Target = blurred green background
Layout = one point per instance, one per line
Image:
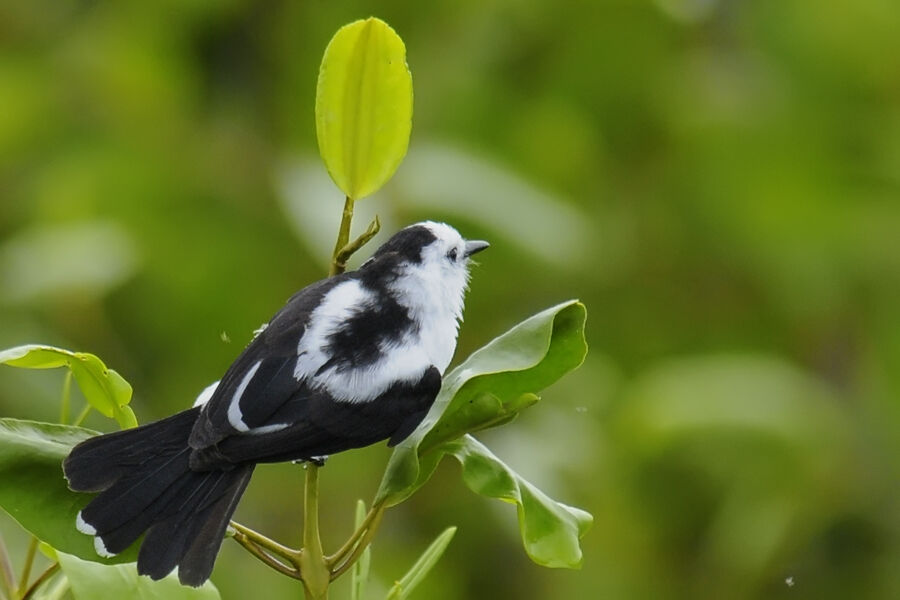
(717, 180)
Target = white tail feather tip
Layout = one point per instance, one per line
(84, 527)
(100, 548)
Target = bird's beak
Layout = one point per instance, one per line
(475, 246)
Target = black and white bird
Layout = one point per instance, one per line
(348, 361)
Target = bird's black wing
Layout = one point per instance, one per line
(261, 380)
(322, 426)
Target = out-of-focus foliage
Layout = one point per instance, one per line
(717, 181)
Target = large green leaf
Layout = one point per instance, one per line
(550, 529)
(90, 581)
(103, 388)
(33, 490)
(489, 388)
(364, 102)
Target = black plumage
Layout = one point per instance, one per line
(347, 362)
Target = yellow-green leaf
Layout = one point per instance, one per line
(103, 388)
(364, 104)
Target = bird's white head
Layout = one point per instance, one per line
(430, 264)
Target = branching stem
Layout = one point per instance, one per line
(343, 237)
(310, 565)
(6, 570)
(29, 562)
(264, 552)
(364, 541)
(368, 523)
(46, 575)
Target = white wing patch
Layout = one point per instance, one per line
(206, 394)
(234, 409)
(404, 361)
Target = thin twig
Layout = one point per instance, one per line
(51, 570)
(350, 544)
(29, 562)
(360, 547)
(6, 570)
(343, 236)
(82, 415)
(265, 557)
(350, 248)
(66, 401)
(58, 591)
(262, 541)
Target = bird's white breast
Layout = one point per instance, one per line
(403, 360)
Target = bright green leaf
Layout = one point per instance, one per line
(550, 530)
(103, 388)
(421, 568)
(33, 490)
(125, 417)
(90, 581)
(35, 357)
(489, 388)
(364, 102)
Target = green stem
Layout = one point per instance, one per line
(310, 564)
(343, 237)
(360, 547)
(265, 555)
(66, 402)
(316, 575)
(339, 262)
(375, 512)
(261, 541)
(7, 571)
(29, 562)
(59, 590)
(82, 415)
(51, 570)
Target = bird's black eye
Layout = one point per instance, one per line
(452, 254)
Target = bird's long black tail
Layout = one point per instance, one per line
(146, 484)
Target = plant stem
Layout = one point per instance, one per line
(6, 570)
(309, 564)
(66, 402)
(316, 575)
(51, 570)
(29, 562)
(343, 237)
(58, 591)
(339, 263)
(360, 547)
(82, 415)
(350, 544)
(261, 541)
(265, 556)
